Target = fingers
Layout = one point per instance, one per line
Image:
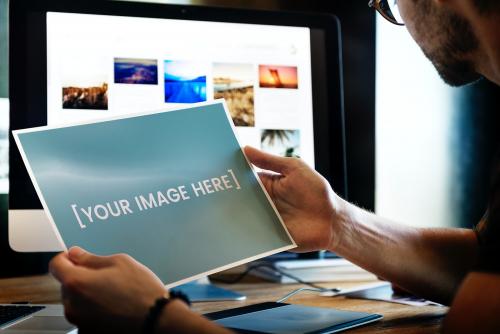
(61, 266)
(268, 161)
(81, 257)
(267, 180)
(74, 263)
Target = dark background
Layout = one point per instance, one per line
(475, 149)
(474, 143)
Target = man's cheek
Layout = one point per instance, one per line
(405, 8)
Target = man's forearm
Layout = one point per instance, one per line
(428, 262)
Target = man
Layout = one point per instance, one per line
(458, 267)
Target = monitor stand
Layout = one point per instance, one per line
(313, 267)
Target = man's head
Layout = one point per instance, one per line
(447, 34)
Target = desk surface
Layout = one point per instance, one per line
(397, 318)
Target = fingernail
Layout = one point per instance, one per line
(76, 252)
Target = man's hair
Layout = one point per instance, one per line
(487, 5)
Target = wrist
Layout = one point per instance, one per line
(340, 221)
(161, 310)
(171, 316)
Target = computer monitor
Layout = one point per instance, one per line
(280, 73)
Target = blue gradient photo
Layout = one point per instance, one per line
(185, 82)
(136, 71)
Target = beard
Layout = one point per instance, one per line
(455, 41)
(454, 72)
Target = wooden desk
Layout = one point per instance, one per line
(397, 318)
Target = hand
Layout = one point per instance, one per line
(304, 199)
(109, 294)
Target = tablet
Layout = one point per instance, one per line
(201, 292)
(281, 318)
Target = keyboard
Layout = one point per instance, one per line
(11, 313)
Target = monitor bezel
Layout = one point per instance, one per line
(28, 75)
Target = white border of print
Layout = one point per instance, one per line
(101, 120)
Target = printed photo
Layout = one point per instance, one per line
(185, 82)
(136, 71)
(75, 97)
(271, 76)
(285, 143)
(234, 83)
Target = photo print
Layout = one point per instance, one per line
(285, 143)
(235, 83)
(185, 82)
(136, 71)
(85, 84)
(271, 76)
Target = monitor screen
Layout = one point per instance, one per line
(69, 61)
(102, 66)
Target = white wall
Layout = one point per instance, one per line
(413, 119)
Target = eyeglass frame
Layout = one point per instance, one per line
(375, 4)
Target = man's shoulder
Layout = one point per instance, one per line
(490, 227)
(488, 230)
(475, 308)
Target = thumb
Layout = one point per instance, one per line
(268, 161)
(60, 266)
(83, 258)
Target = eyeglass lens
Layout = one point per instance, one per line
(391, 9)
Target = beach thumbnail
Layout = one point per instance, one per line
(136, 71)
(285, 143)
(185, 82)
(271, 76)
(235, 84)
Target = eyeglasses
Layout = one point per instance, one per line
(388, 9)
